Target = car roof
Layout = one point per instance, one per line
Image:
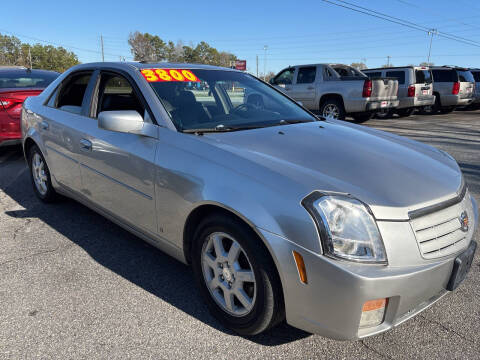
(149, 65)
(400, 67)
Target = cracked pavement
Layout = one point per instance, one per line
(74, 285)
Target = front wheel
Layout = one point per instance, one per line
(236, 276)
(40, 176)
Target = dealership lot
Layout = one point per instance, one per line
(74, 285)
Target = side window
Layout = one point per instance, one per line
(374, 74)
(327, 74)
(70, 95)
(399, 75)
(445, 75)
(306, 75)
(116, 93)
(285, 77)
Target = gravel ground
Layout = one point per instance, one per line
(74, 285)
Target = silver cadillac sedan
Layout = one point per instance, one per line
(341, 230)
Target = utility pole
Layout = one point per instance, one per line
(431, 32)
(265, 47)
(257, 66)
(388, 60)
(30, 57)
(101, 42)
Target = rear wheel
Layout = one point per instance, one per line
(40, 176)
(236, 276)
(432, 109)
(332, 108)
(405, 112)
(384, 114)
(361, 118)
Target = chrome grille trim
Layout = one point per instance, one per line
(439, 233)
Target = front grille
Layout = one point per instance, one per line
(439, 233)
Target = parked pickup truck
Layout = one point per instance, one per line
(336, 90)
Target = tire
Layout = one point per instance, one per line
(447, 110)
(405, 112)
(266, 308)
(384, 114)
(332, 107)
(40, 176)
(433, 109)
(361, 118)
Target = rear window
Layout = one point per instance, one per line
(465, 76)
(445, 76)
(476, 75)
(347, 72)
(374, 74)
(423, 76)
(399, 75)
(26, 79)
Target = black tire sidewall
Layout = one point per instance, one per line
(261, 316)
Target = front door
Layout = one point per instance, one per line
(118, 168)
(303, 88)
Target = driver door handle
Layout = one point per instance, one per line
(310, 88)
(85, 145)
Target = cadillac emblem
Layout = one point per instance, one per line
(463, 221)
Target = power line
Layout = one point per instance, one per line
(399, 21)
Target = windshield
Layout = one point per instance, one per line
(465, 76)
(220, 100)
(423, 77)
(26, 78)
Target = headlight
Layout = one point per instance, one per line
(347, 227)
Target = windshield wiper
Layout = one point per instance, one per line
(220, 128)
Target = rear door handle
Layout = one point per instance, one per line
(85, 145)
(44, 125)
(310, 88)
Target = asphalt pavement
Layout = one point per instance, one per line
(73, 285)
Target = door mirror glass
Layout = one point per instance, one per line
(126, 121)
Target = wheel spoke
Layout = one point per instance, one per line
(228, 296)
(218, 245)
(243, 298)
(209, 260)
(233, 253)
(244, 276)
(213, 284)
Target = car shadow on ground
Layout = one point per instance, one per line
(127, 255)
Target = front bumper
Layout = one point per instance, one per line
(331, 303)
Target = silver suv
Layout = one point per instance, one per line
(476, 76)
(415, 87)
(452, 86)
(335, 90)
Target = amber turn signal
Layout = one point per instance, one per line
(302, 271)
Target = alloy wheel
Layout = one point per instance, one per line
(228, 274)
(39, 176)
(331, 110)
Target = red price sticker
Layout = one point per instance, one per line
(158, 75)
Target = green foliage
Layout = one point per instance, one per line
(147, 47)
(47, 57)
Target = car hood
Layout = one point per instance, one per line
(392, 174)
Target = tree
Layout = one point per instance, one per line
(426, 63)
(47, 57)
(359, 65)
(270, 75)
(147, 47)
(387, 65)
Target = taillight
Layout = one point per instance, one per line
(367, 88)
(456, 88)
(411, 91)
(13, 107)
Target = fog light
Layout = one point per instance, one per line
(373, 312)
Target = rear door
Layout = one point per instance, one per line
(467, 84)
(303, 88)
(118, 169)
(59, 121)
(423, 83)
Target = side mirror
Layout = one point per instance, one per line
(272, 81)
(300, 103)
(126, 121)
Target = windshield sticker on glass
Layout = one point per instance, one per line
(157, 75)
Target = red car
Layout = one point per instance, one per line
(16, 84)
